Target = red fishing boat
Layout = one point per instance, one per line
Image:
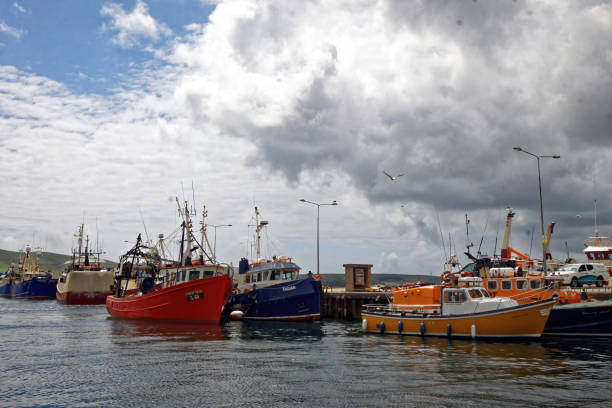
(186, 290)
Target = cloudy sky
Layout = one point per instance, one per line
(110, 109)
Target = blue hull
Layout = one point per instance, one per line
(5, 290)
(36, 288)
(293, 300)
(580, 319)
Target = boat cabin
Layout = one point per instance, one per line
(468, 297)
(266, 273)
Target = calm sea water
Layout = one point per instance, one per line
(54, 355)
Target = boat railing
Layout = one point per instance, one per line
(404, 311)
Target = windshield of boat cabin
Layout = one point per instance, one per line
(571, 268)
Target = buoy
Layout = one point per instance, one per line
(422, 328)
(364, 324)
(449, 330)
(400, 326)
(473, 331)
(382, 327)
(236, 315)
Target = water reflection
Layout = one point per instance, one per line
(284, 331)
(155, 331)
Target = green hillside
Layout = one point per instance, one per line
(48, 261)
(383, 279)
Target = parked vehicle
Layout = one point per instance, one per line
(579, 274)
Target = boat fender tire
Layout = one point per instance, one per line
(381, 326)
(422, 328)
(400, 327)
(449, 330)
(364, 324)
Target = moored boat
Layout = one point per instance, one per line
(272, 289)
(464, 311)
(6, 281)
(194, 290)
(84, 281)
(28, 281)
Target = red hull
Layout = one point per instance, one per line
(201, 299)
(82, 298)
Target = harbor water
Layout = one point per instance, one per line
(55, 355)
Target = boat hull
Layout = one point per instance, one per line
(582, 319)
(288, 301)
(201, 299)
(5, 289)
(522, 321)
(35, 288)
(85, 287)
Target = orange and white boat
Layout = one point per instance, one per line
(466, 310)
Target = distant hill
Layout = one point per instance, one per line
(383, 279)
(48, 261)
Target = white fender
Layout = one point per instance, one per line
(364, 324)
(236, 315)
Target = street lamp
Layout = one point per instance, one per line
(215, 244)
(538, 157)
(318, 208)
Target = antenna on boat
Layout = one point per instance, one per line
(441, 237)
(595, 212)
(567, 249)
(144, 225)
(468, 245)
(531, 245)
(483, 234)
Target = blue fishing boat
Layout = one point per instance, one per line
(272, 289)
(29, 282)
(6, 281)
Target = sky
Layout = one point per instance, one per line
(109, 110)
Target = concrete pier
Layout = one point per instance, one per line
(338, 303)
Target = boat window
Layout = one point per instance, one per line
(610, 256)
(534, 283)
(184, 274)
(454, 296)
(194, 274)
(469, 268)
(265, 275)
(492, 285)
(208, 274)
(276, 275)
(506, 284)
(582, 268)
(475, 293)
(485, 293)
(590, 267)
(287, 275)
(259, 279)
(521, 284)
(247, 279)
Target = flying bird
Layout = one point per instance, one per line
(393, 178)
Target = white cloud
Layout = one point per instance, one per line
(12, 31)
(270, 102)
(132, 27)
(18, 7)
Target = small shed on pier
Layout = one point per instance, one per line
(357, 277)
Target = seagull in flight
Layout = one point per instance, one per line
(393, 178)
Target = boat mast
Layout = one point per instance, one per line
(468, 245)
(505, 252)
(259, 225)
(80, 242)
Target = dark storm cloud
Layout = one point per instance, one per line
(441, 91)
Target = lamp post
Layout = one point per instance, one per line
(318, 208)
(538, 157)
(215, 239)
